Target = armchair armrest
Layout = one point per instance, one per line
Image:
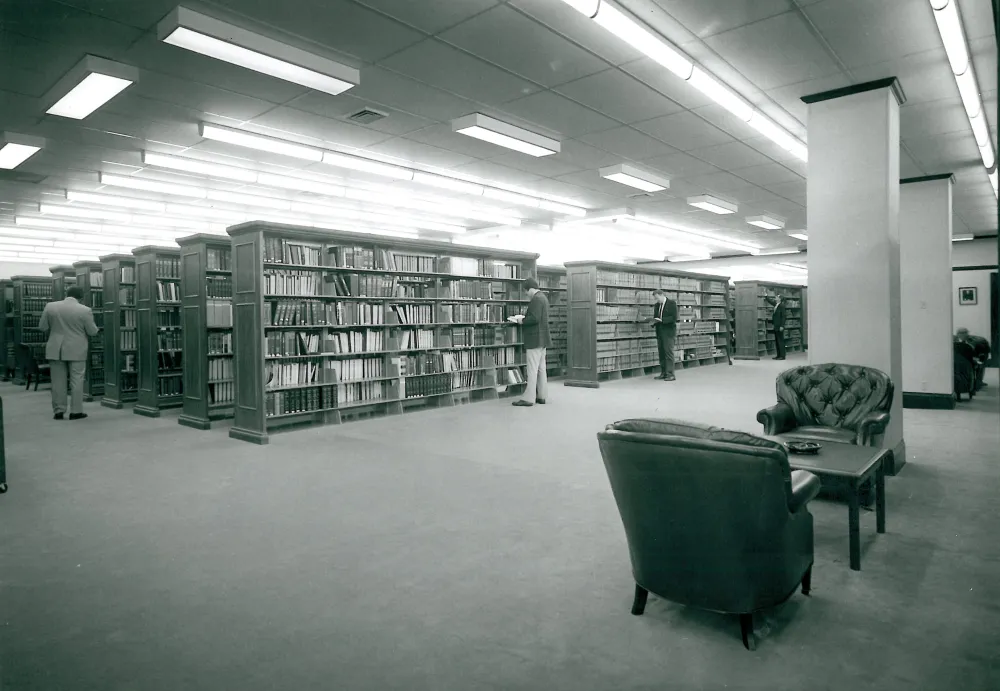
(871, 428)
(805, 487)
(777, 419)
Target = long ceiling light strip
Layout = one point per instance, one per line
(89, 85)
(116, 201)
(704, 238)
(949, 23)
(626, 174)
(222, 41)
(497, 191)
(672, 58)
(766, 221)
(707, 202)
(504, 134)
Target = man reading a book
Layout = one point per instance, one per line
(535, 323)
(665, 325)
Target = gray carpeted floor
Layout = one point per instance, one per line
(476, 547)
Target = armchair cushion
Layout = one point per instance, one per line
(831, 402)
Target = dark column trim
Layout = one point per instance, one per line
(930, 401)
(929, 178)
(886, 83)
(984, 267)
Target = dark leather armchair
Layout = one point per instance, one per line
(830, 403)
(714, 519)
(965, 369)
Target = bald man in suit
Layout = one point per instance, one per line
(68, 324)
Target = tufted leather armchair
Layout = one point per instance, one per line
(832, 403)
(714, 519)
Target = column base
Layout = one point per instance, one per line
(898, 459)
(194, 422)
(581, 383)
(146, 411)
(252, 436)
(111, 403)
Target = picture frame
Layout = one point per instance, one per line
(968, 296)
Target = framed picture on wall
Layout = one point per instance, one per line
(968, 296)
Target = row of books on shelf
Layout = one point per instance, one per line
(475, 312)
(168, 291)
(126, 274)
(129, 340)
(96, 279)
(313, 399)
(168, 267)
(322, 313)
(130, 362)
(218, 259)
(220, 343)
(96, 299)
(448, 361)
(292, 282)
(169, 360)
(30, 289)
(218, 313)
(170, 386)
(168, 317)
(33, 336)
(281, 251)
(128, 382)
(618, 313)
(30, 321)
(169, 340)
(220, 368)
(126, 296)
(34, 304)
(218, 287)
(318, 371)
(361, 341)
(221, 393)
(652, 281)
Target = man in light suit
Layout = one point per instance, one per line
(68, 324)
(536, 340)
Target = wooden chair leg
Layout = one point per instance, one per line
(27, 384)
(746, 628)
(639, 603)
(807, 580)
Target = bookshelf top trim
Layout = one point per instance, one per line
(65, 268)
(638, 269)
(40, 279)
(207, 238)
(790, 286)
(108, 258)
(87, 265)
(557, 270)
(291, 232)
(154, 249)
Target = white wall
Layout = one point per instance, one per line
(9, 269)
(925, 248)
(975, 318)
(978, 252)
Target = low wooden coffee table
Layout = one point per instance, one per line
(850, 466)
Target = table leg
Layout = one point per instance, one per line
(854, 523)
(880, 497)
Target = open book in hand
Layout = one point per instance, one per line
(517, 318)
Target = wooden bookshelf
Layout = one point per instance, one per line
(90, 279)
(31, 293)
(332, 326)
(62, 278)
(805, 317)
(754, 328)
(552, 280)
(159, 330)
(7, 355)
(207, 294)
(608, 304)
(121, 347)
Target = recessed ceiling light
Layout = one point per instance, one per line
(634, 177)
(766, 222)
(504, 134)
(222, 41)
(90, 84)
(15, 149)
(709, 203)
(260, 142)
(798, 236)
(963, 238)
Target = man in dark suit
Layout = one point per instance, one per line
(665, 325)
(778, 319)
(535, 323)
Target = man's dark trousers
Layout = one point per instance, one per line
(665, 337)
(779, 342)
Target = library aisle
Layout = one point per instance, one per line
(471, 547)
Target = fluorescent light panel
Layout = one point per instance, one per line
(89, 85)
(709, 203)
(626, 174)
(111, 200)
(799, 236)
(767, 222)
(260, 142)
(963, 238)
(189, 165)
(15, 149)
(152, 186)
(222, 41)
(504, 134)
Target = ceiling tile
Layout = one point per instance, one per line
(944, 152)
(67, 29)
(582, 155)
(708, 17)
(793, 191)
(591, 180)
(379, 85)
(443, 137)
(667, 83)
(141, 15)
(730, 155)
(338, 25)
(627, 142)
(343, 105)
(564, 189)
(933, 117)
(546, 166)
(863, 33)
(721, 182)
(431, 16)
(415, 152)
(563, 19)
(680, 165)
(924, 76)
(773, 151)
(489, 171)
(620, 96)
(196, 96)
(511, 40)
(443, 66)
(775, 51)
(726, 121)
(684, 131)
(767, 174)
(289, 120)
(790, 97)
(558, 114)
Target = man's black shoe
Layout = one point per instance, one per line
(540, 400)
(57, 416)
(519, 402)
(77, 416)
